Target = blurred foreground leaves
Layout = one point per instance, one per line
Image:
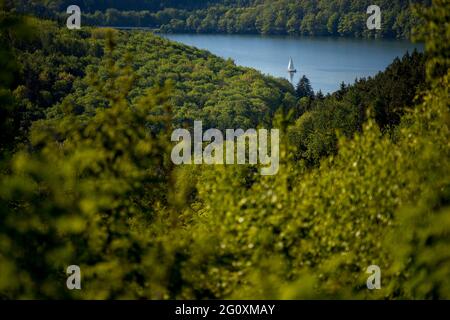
(99, 191)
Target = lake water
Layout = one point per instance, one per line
(325, 61)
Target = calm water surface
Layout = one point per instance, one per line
(325, 61)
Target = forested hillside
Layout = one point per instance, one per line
(86, 177)
(387, 96)
(203, 86)
(136, 5)
(293, 17)
(58, 67)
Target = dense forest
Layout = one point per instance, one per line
(387, 96)
(86, 176)
(288, 17)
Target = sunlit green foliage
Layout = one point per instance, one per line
(96, 188)
(206, 87)
(85, 198)
(331, 222)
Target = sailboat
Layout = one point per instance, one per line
(291, 67)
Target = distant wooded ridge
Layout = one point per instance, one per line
(271, 17)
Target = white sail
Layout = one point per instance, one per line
(291, 64)
(291, 67)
